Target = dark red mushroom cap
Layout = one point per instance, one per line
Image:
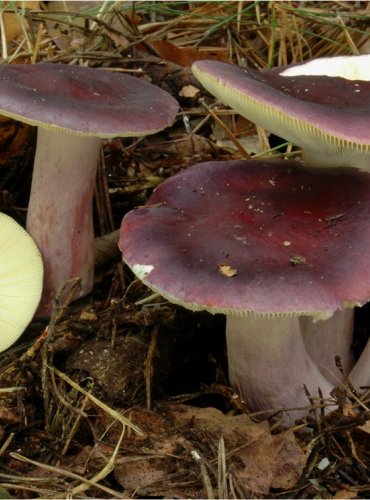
(266, 237)
(88, 101)
(310, 104)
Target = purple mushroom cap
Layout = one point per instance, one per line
(326, 112)
(296, 240)
(87, 101)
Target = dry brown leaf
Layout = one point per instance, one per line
(10, 413)
(365, 428)
(172, 433)
(259, 460)
(290, 461)
(139, 473)
(184, 56)
(270, 462)
(235, 429)
(343, 494)
(13, 22)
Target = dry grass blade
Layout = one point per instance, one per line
(228, 132)
(63, 298)
(204, 473)
(85, 483)
(222, 471)
(110, 411)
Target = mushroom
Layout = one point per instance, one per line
(74, 108)
(21, 271)
(265, 243)
(322, 105)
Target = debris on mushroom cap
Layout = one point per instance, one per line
(88, 101)
(21, 271)
(231, 214)
(326, 113)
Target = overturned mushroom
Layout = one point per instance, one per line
(21, 272)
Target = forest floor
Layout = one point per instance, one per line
(122, 394)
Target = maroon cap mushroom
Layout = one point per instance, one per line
(74, 108)
(322, 105)
(266, 243)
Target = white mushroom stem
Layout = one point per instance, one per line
(360, 374)
(60, 209)
(326, 339)
(269, 364)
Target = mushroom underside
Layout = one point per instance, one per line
(21, 271)
(327, 115)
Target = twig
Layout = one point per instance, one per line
(113, 413)
(149, 368)
(231, 136)
(57, 312)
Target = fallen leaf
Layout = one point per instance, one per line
(139, 473)
(343, 494)
(365, 427)
(13, 22)
(184, 56)
(270, 462)
(250, 143)
(258, 459)
(174, 432)
(290, 461)
(9, 414)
